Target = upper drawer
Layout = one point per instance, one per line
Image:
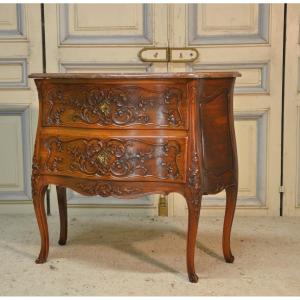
(102, 104)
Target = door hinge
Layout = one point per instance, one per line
(281, 189)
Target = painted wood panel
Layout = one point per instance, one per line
(105, 24)
(105, 67)
(15, 156)
(20, 53)
(228, 23)
(103, 44)
(13, 73)
(247, 151)
(12, 21)
(291, 166)
(11, 150)
(255, 76)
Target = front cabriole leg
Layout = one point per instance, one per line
(39, 188)
(194, 204)
(193, 196)
(38, 194)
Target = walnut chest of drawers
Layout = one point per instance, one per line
(127, 135)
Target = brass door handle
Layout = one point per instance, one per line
(183, 54)
(153, 54)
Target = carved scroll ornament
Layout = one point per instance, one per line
(114, 106)
(113, 157)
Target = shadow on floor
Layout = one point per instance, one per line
(93, 240)
(130, 240)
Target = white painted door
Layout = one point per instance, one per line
(106, 38)
(291, 174)
(247, 38)
(20, 54)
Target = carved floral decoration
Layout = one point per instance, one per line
(194, 182)
(106, 189)
(113, 157)
(35, 175)
(115, 106)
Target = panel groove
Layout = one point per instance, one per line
(17, 67)
(262, 84)
(20, 31)
(262, 35)
(94, 67)
(21, 111)
(67, 38)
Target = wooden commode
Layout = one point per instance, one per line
(128, 135)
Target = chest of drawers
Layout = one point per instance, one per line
(127, 135)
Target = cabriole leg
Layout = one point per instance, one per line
(231, 197)
(63, 214)
(38, 195)
(193, 221)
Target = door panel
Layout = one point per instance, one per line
(291, 171)
(228, 24)
(20, 54)
(240, 37)
(83, 42)
(85, 24)
(105, 38)
(108, 37)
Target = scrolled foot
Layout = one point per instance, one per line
(62, 242)
(193, 277)
(229, 259)
(40, 260)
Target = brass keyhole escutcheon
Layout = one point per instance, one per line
(104, 108)
(103, 158)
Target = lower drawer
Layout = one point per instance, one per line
(114, 158)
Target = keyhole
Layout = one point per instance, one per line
(155, 54)
(180, 55)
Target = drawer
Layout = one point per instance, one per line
(99, 104)
(114, 158)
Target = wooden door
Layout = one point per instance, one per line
(106, 38)
(291, 170)
(247, 38)
(20, 54)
